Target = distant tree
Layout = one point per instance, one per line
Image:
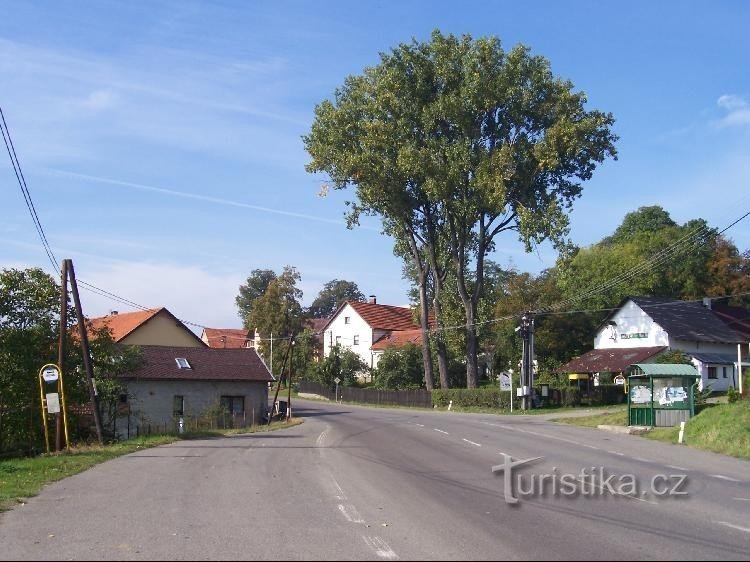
(332, 295)
(254, 288)
(400, 369)
(278, 313)
(729, 273)
(644, 220)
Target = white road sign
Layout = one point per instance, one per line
(53, 403)
(50, 374)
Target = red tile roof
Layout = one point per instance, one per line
(206, 365)
(232, 338)
(398, 339)
(609, 360)
(385, 317)
(120, 325)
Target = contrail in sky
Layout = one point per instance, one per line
(216, 200)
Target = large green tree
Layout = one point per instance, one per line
(456, 137)
(251, 291)
(278, 314)
(332, 295)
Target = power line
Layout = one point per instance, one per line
(25, 190)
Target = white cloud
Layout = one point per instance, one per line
(737, 110)
(191, 293)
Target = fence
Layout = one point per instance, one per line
(412, 398)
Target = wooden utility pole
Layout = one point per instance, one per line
(289, 382)
(86, 352)
(60, 420)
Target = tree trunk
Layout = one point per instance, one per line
(472, 364)
(429, 371)
(442, 351)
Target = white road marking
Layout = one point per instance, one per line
(683, 469)
(472, 442)
(742, 499)
(321, 438)
(381, 548)
(351, 513)
(736, 527)
(640, 459)
(722, 477)
(420, 424)
(619, 454)
(441, 431)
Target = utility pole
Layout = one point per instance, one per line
(289, 382)
(527, 360)
(86, 352)
(61, 421)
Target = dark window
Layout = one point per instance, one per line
(347, 319)
(712, 373)
(724, 372)
(178, 406)
(356, 340)
(235, 405)
(123, 398)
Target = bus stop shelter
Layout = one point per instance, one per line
(661, 394)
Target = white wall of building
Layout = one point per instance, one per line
(343, 333)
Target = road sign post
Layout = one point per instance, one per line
(337, 381)
(51, 374)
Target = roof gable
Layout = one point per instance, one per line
(122, 325)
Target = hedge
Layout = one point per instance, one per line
(471, 398)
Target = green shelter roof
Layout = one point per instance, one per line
(663, 369)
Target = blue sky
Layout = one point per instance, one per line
(161, 140)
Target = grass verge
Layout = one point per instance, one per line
(24, 478)
(724, 428)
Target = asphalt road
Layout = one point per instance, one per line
(361, 483)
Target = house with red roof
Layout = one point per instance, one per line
(186, 383)
(228, 338)
(155, 326)
(369, 328)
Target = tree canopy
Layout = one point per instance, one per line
(254, 288)
(332, 295)
(457, 138)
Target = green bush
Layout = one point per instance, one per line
(732, 395)
(471, 398)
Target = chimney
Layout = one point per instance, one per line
(707, 302)
(373, 299)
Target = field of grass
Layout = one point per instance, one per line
(24, 478)
(724, 428)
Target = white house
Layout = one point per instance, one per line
(644, 327)
(361, 325)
